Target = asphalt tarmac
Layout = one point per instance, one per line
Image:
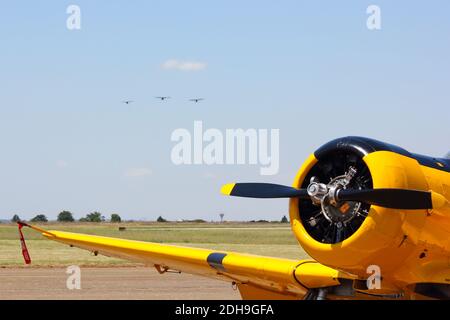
(118, 283)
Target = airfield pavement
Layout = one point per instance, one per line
(118, 283)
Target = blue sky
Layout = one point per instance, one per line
(310, 68)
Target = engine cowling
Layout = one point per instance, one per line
(356, 235)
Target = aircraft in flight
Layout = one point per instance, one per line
(374, 218)
(196, 100)
(162, 98)
(127, 101)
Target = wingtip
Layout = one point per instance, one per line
(22, 223)
(42, 231)
(227, 189)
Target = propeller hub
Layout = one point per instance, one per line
(317, 191)
(335, 211)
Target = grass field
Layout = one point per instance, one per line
(268, 239)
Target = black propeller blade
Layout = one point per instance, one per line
(389, 198)
(263, 190)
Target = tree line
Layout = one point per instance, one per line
(67, 216)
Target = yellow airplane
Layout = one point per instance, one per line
(374, 217)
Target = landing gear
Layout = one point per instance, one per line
(316, 294)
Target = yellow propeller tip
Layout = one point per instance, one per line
(227, 189)
(438, 201)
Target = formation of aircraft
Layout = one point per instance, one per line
(163, 98)
(374, 218)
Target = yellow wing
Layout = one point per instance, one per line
(256, 277)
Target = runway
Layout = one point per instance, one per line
(121, 283)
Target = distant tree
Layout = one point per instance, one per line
(39, 218)
(115, 218)
(15, 218)
(95, 217)
(161, 219)
(83, 220)
(65, 216)
(284, 220)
